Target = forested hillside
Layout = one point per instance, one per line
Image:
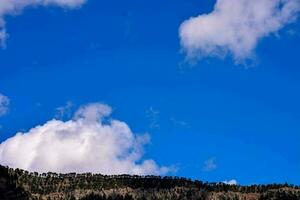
(20, 184)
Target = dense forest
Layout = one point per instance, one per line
(21, 184)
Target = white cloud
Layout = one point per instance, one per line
(4, 104)
(88, 143)
(231, 182)
(235, 27)
(210, 165)
(13, 7)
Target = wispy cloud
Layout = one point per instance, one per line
(235, 27)
(153, 116)
(210, 165)
(12, 7)
(64, 111)
(4, 104)
(179, 123)
(84, 144)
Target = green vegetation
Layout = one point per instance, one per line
(20, 184)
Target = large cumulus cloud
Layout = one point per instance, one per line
(90, 142)
(13, 7)
(235, 27)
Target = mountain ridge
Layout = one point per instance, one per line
(22, 185)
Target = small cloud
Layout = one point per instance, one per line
(235, 32)
(64, 111)
(231, 182)
(153, 116)
(210, 165)
(173, 169)
(4, 104)
(292, 32)
(179, 123)
(38, 104)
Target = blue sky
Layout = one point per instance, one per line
(242, 119)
